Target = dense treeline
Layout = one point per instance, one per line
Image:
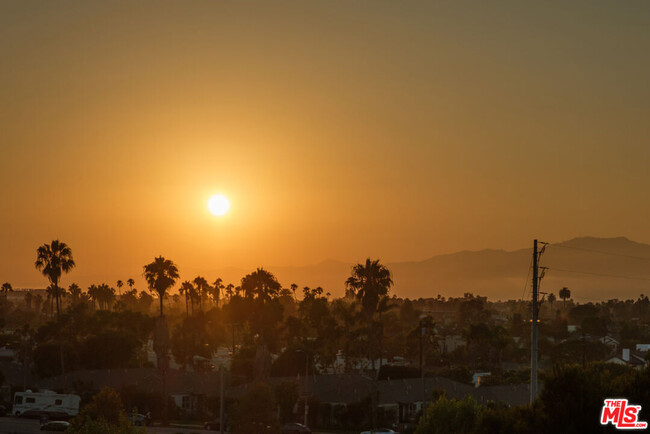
(273, 330)
(101, 329)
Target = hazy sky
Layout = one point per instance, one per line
(397, 130)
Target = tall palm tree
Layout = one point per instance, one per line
(161, 274)
(120, 284)
(565, 293)
(186, 289)
(294, 287)
(202, 287)
(53, 260)
(130, 282)
(6, 287)
(217, 287)
(369, 282)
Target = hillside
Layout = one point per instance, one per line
(499, 274)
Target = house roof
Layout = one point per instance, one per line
(342, 389)
(145, 379)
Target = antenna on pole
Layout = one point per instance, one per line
(537, 278)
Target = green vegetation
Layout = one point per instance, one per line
(104, 415)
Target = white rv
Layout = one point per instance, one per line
(46, 402)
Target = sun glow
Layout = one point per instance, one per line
(218, 204)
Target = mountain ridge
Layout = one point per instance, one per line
(497, 273)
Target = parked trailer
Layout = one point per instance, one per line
(46, 402)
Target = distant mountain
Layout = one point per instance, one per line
(588, 266)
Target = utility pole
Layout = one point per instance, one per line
(423, 331)
(533, 347)
(221, 402)
(306, 387)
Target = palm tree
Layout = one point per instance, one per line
(202, 287)
(294, 287)
(120, 284)
(75, 292)
(6, 287)
(130, 282)
(260, 284)
(551, 298)
(52, 260)
(186, 289)
(229, 290)
(160, 275)
(217, 287)
(368, 283)
(565, 293)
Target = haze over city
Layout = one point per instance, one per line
(336, 131)
(334, 217)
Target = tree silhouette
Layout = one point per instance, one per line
(6, 287)
(53, 260)
(186, 289)
(260, 284)
(229, 290)
(215, 290)
(75, 292)
(368, 283)
(130, 282)
(120, 284)
(565, 293)
(161, 274)
(202, 287)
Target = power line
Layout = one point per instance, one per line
(602, 252)
(601, 274)
(524, 293)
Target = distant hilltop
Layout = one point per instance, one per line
(593, 268)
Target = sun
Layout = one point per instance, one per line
(218, 204)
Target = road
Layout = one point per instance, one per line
(12, 425)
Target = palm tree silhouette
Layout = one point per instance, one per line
(161, 274)
(6, 287)
(217, 286)
(75, 292)
(229, 290)
(186, 289)
(130, 282)
(120, 284)
(260, 284)
(565, 293)
(370, 282)
(202, 287)
(52, 260)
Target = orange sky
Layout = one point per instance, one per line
(396, 130)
